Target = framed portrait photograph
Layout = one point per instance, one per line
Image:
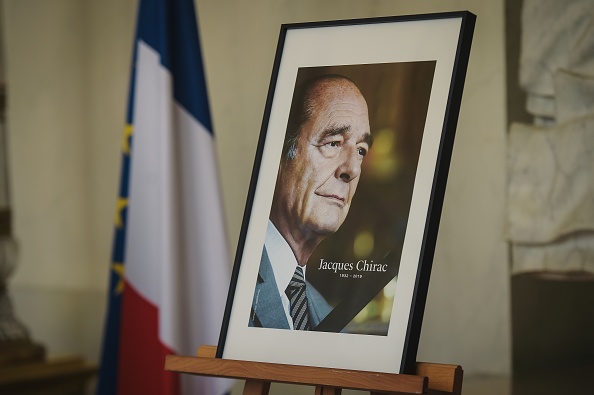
(336, 247)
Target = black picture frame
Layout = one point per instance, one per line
(410, 70)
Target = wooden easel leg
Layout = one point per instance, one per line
(321, 390)
(255, 387)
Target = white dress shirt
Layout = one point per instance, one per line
(283, 263)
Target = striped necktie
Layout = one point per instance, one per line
(298, 299)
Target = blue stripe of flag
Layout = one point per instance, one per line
(179, 48)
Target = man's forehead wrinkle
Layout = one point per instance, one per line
(337, 112)
(334, 130)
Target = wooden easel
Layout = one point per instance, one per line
(430, 378)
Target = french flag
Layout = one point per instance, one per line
(170, 269)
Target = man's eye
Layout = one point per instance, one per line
(334, 144)
(362, 151)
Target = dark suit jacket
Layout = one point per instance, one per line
(267, 307)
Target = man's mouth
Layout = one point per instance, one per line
(336, 198)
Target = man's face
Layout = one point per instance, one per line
(315, 189)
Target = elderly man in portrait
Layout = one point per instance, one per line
(327, 137)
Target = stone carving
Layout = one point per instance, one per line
(551, 162)
(551, 181)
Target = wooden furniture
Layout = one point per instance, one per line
(430, 378)
(57, 376)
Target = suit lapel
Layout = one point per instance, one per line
(267, 304)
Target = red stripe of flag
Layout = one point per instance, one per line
(142, 354)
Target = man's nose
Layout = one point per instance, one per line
(350, 165)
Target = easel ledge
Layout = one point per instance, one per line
(430, 378)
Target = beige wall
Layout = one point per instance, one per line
(67, 75)
(67, 71)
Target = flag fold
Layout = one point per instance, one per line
(170, 268)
